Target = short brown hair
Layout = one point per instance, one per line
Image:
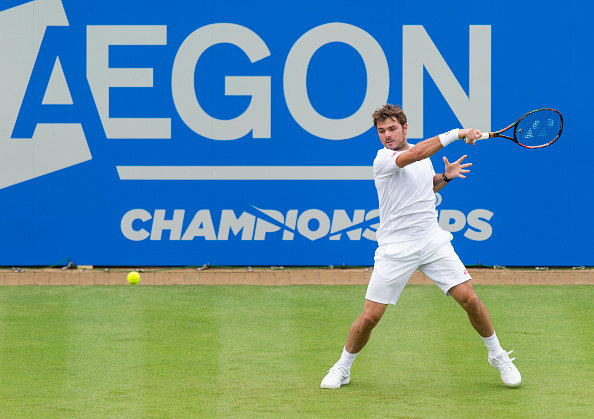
(389, 111)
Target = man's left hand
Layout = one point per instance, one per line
(456, 169)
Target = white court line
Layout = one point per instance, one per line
(245, 172)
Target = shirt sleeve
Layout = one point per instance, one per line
(385, 163)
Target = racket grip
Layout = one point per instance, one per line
(484, 136)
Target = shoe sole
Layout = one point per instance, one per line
(344, 382)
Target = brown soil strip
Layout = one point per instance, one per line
(288, 276)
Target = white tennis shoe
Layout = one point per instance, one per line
(509, 373)
(336, 377)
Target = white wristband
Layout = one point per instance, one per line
(449, 137)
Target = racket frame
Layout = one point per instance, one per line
(515, 125)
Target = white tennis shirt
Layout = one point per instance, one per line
(406, 198)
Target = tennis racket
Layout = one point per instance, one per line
(536, 129)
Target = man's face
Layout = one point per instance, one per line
(392, 134)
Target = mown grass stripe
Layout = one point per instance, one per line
(181, 351)
(255, 343)
(32, 350)
(105, 356)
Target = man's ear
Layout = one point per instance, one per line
(405, 128)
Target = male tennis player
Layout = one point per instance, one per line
(410, 238)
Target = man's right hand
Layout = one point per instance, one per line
(470, 133)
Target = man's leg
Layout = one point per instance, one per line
(477, 312)
(358, 336)
(393, 267)
(479, 318)
(362, 327)
(441, 263)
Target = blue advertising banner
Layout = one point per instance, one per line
(240, 133)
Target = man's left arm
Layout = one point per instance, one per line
(452, 170)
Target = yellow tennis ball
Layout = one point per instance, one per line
(133, 278)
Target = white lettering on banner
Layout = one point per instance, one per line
(201, 226)
(447, 216)
(312, 224)
(453, 220)
(128, 229)
(295, 81)
(48, 147)
(174, 225)
(343, 221)
(323, 227)
(419, 51)
(478, 219)
(290, 222)
(51, 147)
(369, 234)
(57, 92)
(257, 116)
(263, 226)
(102, 77)
(245, 223)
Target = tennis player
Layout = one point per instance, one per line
(410, 238)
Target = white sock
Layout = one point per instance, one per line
(346, 360)
(493, 345)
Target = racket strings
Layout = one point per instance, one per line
(539, 128)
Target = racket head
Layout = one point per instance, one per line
(538, 128)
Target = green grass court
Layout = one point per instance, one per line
(253, 351)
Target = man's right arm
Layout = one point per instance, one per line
(419, 151)
(430, 146)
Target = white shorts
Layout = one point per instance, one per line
(395, 263)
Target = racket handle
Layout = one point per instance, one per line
(484, 136)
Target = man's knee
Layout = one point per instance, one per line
(372, 313)
(466, 297)
(369, 320)
(470, 302)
